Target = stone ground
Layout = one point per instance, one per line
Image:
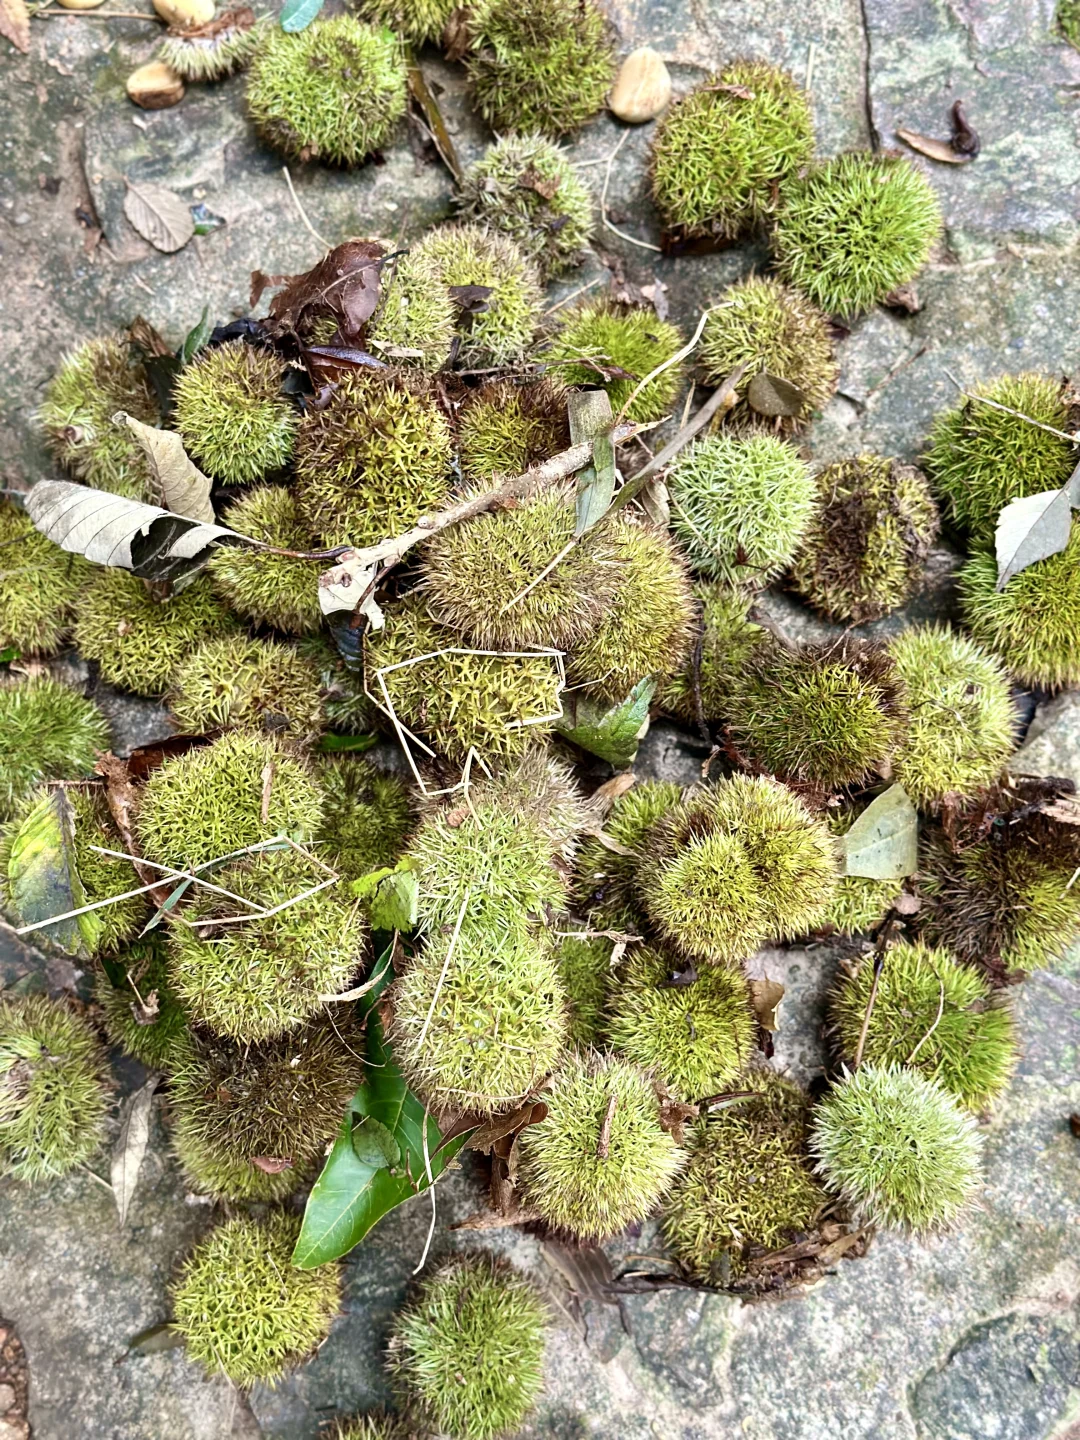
(974, 1337)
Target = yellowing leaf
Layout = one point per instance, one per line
(883, 843)
(184, 489)
(940, 150)
(43, 880)
(591, 419)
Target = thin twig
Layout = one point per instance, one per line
(811, 57)
(559, 558)
(446, 965)
(574, 294)
(645, 244)
(1006, 409)
(717, 399)
(880, 951)
(264, 914)
(389, 553)
(675, 359)
(302, 212)
(933, 1027)
(431, 1192)
(95, 15)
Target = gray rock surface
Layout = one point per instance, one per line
(974, 1335)
(1052, 746)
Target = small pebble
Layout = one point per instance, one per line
(155, 86)
(642, 88)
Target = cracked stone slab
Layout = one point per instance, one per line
(1052, 746)
(1019, 83)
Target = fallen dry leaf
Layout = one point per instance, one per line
(771, 395)
(112, 530)
(130, 1146)
(344, 283)
(765, 996)
(159, 216)
(15, 24)
(182, 487)
(940, 150)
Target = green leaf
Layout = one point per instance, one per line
(12, 652)
(355, 1190)
(297, 15)
(392, 895)
(196, 338)
(331, 742)
(155, 1339)
(43, 880)
(612, 733)
(590, 418)
(883, 843)
(373, 1144)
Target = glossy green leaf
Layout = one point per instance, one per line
(43, 880)
(297, 15)
(373, 1144)
(883, 843)
(353, 1194)
(196, 337)
(611, 732)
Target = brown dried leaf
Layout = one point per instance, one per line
(1066, 810)
(122, 800)
(159, 216)
(424, 97)
(905, 298)
(345, 283)
(455, 37)
(545, 186)
(604, 796)
(272, 1164)
(657, 296)
(15, 24)
(487, 1137)
(674, 1115)
(586, 1271)
(940, 150)
(148, 340)
(240, 18)
(182, 487)
(765, 996)
(771, 395)
(470, 299)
